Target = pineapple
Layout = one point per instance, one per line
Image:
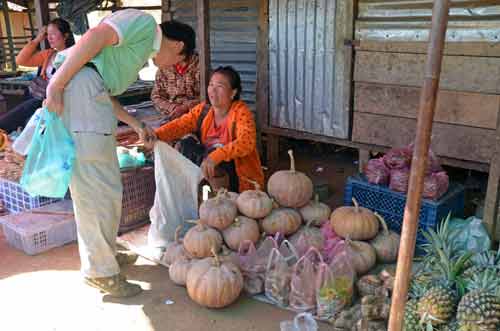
(479, 310)
(411, 319)
(489, 260)
(450, 326)
(437, 305)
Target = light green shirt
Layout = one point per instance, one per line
(139, 38)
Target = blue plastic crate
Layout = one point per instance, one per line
(390, 205)
(15, 199)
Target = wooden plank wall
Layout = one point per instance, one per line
(387, 80)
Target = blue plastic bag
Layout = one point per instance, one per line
(49, 165)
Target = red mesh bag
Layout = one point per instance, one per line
(435, 185)
(398, 158)
(377, 172)
(399, 180)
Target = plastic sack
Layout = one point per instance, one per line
(176, 195)
(399, 180)
(308, 236)
(435, 185)
(130, 158)
(289, 252)
(398, 158)
(331, 240)
(49, 165)
(377, 172)
(304, 281)
(278, 276)
(301, 322)
(470, 235)
(335, 285)
(23, 142)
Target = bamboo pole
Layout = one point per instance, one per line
(428, 98)
(202, 11)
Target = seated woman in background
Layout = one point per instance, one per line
(226, 131)
(58, 33)
(177, 88)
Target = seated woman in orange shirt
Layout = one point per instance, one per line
(226, 131)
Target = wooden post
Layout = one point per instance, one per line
(166, 14)
(202, 13)
(428, 98)
(29, 11)
(42, 17)
(491, 202)
(5, 9)
(262, 110)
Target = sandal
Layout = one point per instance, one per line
(126, 258)
(115, 286)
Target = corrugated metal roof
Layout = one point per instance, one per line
(409, 20)
(233, 36)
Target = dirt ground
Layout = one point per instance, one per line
(45, 292)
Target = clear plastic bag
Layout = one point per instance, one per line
(301, 322)
(335, 285)
(253, 263)
(23, 142)
(49, 165)
(377, 172)
(470, 235)
(278, 276)
(304, 281)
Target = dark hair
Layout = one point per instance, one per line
(64, 27)
(179, 31)
(234, 79)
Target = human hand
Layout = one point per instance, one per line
(42, 34)
(179, 111)
(54, 101)
(146, 135)
(208, 168)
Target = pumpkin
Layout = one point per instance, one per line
(242, 229)
(200, 240)
(369, 285)
(386, 243)
(229, 256)
(306, 237)
(283, 220)
(290, 188)
(362, 256)
(4, 139)
(178, 270)
(174, 250)
(315, 211)
(356, 223)
(214, 283)
(218, 212)
(254, 203)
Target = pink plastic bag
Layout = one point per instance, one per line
(303, 283)
(331, 240)
(307, 237)
(399, 180)
(377, 172)
(335, 285)
(398, 158)
(435, 185)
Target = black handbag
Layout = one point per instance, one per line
(38, 86)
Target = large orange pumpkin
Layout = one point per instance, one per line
(218, 212)
(242, 229)
(214, 283)
(283, 220)
(200, 240)
(356, 223)
(362, 256)
(254, 203)
(290, 188)
(175, 250)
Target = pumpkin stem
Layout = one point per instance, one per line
(237, 221)
(253, 182)
(383, 222)
(308, 224)
(356, 204)
(292, 160)
(316, 198)
(178, 234)
(216, 257)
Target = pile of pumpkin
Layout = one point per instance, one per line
(210, 270)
